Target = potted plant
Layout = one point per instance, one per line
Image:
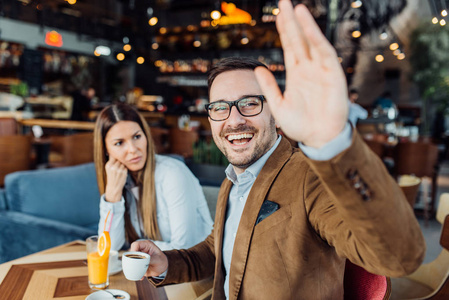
(429, 48)
(208, 163)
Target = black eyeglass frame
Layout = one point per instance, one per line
(235, 103)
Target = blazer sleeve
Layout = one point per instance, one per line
(356, 206)
(191, 264)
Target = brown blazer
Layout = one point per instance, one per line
(348, 207)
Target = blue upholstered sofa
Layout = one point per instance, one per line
(40, 209)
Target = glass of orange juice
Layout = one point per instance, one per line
(98, 248)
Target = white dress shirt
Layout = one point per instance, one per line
(182, 213)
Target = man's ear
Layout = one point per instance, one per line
(277, 125)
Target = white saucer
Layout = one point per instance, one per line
(101, 295)
(115, 268)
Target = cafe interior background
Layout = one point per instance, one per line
(155, 54)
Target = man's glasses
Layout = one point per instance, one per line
(247, 106)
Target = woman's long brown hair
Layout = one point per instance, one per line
(146, 207)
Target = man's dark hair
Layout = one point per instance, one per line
(231, 64)
(353, 91)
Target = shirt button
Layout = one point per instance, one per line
(241, 199)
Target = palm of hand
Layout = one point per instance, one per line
(314, 107)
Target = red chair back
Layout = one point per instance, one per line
(359, 284)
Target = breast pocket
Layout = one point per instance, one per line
(274, 219)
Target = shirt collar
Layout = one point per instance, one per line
(255, 168)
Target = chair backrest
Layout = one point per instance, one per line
(410, 187)
(15, 154)
(160, 139)
(377, 147)
(75, 149)
(417, 158)
(181, 141)
(8, 126)
(443, 208)
(359, 284)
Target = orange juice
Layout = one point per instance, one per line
(98, 248)
(97, 268)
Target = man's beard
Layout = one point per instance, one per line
(261, 147)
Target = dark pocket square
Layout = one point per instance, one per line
(268, 207)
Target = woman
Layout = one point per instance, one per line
(150, 196)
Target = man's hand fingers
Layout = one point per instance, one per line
(290, 32)
(320, 48)
(140, 246)
(269, 87)
(287, 47)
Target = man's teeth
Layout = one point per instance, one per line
(239, 136)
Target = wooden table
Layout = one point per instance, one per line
(61, 273)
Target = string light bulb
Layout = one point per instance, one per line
(153, 21)
(442, 22)
(435, 20)
(197, 42)
(444, 13)
(379, 58)
(394, 46)
(140, 60)
(120, 56)
(215, 15)
(356, 34)
(356, 4)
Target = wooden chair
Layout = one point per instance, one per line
(421, 160)
(182, 141)
(364, 128)
(431, 280)
(8, 126)
(377, 147)
(70, 150)
(359, 284)
(15, 154)
(410, 186)
(160, 139)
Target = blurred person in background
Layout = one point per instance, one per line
(356, 111)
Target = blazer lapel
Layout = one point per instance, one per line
(252, 207)
(222, 203)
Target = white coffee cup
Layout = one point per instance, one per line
(135, 264)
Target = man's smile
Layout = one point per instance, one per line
(239, 139)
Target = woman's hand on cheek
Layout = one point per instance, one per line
(116, 174)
